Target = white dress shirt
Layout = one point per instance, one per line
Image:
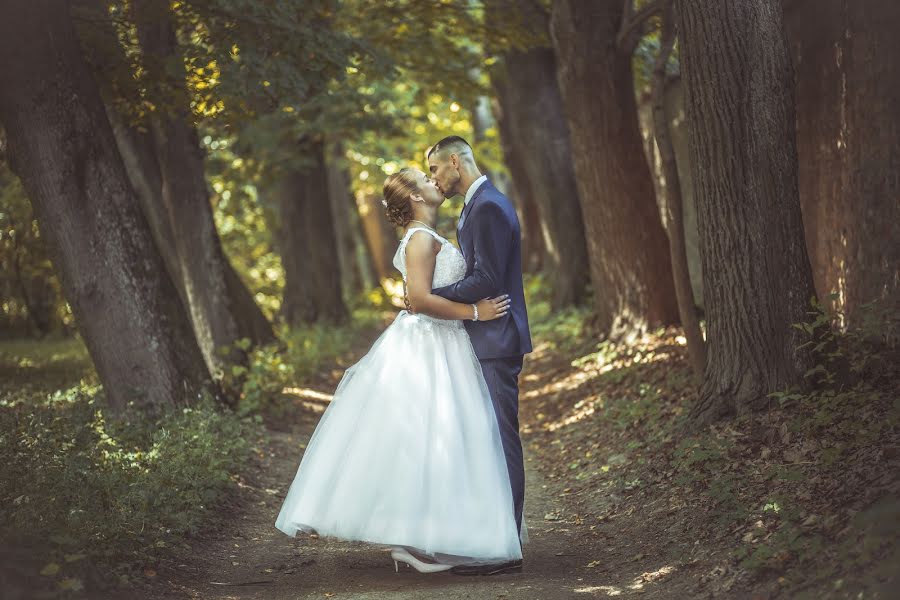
(471, 191)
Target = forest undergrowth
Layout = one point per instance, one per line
(799, 500)
(90, 501)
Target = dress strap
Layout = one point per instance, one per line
(432, 232)
(400, 256)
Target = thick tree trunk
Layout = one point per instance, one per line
(203, 265)
(847, 58)
(312, 278)
(139, 154)
(526, 86)
(62, 147)
(631, 271)
(673, 202)
(757, 279)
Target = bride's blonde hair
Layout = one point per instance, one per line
(398, 188)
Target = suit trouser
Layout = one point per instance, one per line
(502, 378)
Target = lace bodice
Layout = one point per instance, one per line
(450, 266)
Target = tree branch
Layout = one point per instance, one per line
(633, 24)
(627, 11)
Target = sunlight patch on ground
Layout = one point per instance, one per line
(651, 576)
(583, 409)
(637, 585)
(568, 383)
(308, 394)
(609, 590)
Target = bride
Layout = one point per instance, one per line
(408, 452)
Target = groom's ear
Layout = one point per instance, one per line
(454, 160)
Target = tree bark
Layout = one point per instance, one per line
(673, 203)
(203, 264)
(522, 196)
(526, 87)
(757, 280)
(62, 147)
(381, 236)
(356, 270)
(847, 57)
(312, 278)
(631, 272)
(138, 152)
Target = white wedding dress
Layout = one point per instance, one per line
(408, 452)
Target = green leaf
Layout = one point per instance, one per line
(71, 584)
(74, 557)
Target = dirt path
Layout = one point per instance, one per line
(254, 560)
(637, 549)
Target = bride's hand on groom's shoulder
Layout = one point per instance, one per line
(493, 308)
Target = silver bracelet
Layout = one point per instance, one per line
(475, 308)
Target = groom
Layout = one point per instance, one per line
(490, 239)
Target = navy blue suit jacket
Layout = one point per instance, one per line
(491, 242)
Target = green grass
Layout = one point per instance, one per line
(567, 330)
(86, 501)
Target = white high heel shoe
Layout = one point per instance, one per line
(401, 555)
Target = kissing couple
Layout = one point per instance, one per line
(419, 449)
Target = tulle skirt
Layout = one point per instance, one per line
(408, 452)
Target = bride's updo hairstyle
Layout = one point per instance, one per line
(397, 191)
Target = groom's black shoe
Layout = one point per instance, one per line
(513, 566)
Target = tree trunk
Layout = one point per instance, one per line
(381, 236)
(252, 323)
(526, 86)
(203, 265)
(138, 151)
(757, 279)
(847, 57)
(673, 202)
(482, 121)
(631, 272)
(312, 278)
(62, 147)
(521, 195)
(356, 274)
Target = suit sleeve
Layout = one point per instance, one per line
(492, 238)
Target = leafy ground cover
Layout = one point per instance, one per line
(797, 501)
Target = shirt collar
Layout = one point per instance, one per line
(475, 184)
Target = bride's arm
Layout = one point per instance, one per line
(421, 256)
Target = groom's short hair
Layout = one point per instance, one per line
(454, 143)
